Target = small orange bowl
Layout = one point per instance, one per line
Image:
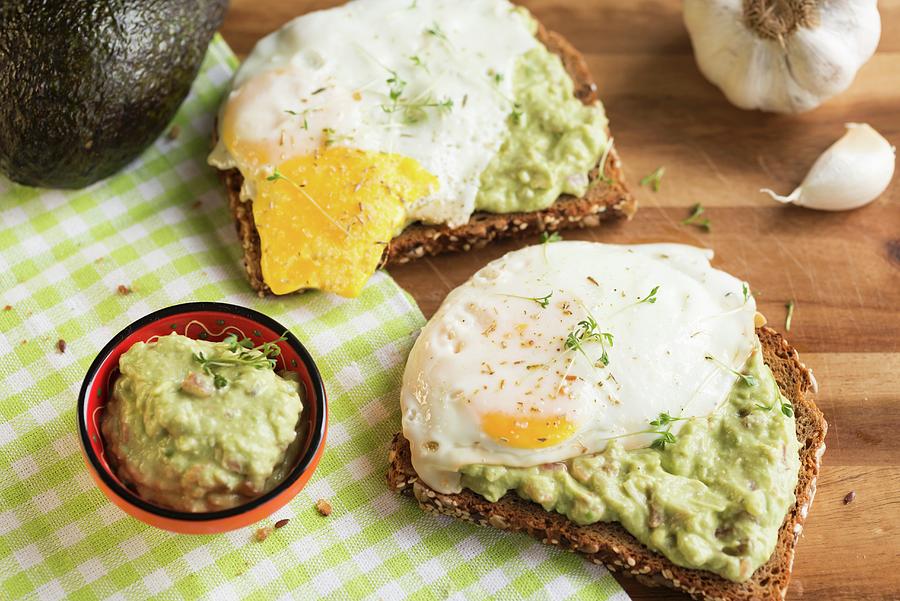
(224, 319)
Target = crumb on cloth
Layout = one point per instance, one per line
(323, 507)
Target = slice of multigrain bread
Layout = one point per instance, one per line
(607, 198)
(611, 545)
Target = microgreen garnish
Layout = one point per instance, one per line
(242, 353)
(414, 112)
(235, 344)
(790, 315)
(303, 114)
(694, 218)
(543, 301)
(396, 86)
(665, 437)
(748, 379)
(650, 298)
(663, 426)
(413, 109)
(516, 115)
(331, 137)
(783, 404)
(746, 290)
(548, 237)
(417, 61)
(437, 32)
(653, 180)
(587, 330)
(496, 76)
(277, 175)
(665, 419)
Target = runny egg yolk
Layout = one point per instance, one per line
(526, 432)
(325, 219)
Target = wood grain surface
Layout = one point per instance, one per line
(842, 270)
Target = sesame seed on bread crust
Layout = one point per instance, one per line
(609, 544)
(607, 198)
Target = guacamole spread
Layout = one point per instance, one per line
(554, 140)
(201, 426)
(714, 499)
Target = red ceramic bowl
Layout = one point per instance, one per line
(217, 318)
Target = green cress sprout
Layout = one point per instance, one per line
(694, 218)
(543, 301)
(587, 330)
(748, 379)
(783, 405)
(547, 238)
(663, 426)
(413, 110)
(650, 298)
(436, 31)
(653, 180)
(243, 353)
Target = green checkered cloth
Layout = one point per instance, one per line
(162, 229)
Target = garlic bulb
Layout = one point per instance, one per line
(784, 56)
(853, 172)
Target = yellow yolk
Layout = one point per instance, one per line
(325, 219)
(521, 432)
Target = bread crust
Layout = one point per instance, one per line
(607, 198)
(611, 545)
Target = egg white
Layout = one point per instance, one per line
(328, 71)
(492, 347)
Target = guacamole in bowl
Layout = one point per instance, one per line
(200, 426)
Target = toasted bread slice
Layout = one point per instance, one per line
(607, 198)
(609, 544)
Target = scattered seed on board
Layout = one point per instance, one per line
(849, 497)
(61, 345)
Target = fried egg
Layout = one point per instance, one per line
(411, 91)
(552, 351)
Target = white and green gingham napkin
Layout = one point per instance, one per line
(161, 230)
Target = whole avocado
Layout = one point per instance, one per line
(85, 86)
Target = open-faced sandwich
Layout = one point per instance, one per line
(624, 402)
(385, 130)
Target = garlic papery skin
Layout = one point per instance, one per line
(783, 56)
(853, 172)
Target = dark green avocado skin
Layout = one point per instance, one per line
(86, 85)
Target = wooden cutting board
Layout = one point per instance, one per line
(841, 270)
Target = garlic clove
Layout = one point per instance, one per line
(851, 173)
